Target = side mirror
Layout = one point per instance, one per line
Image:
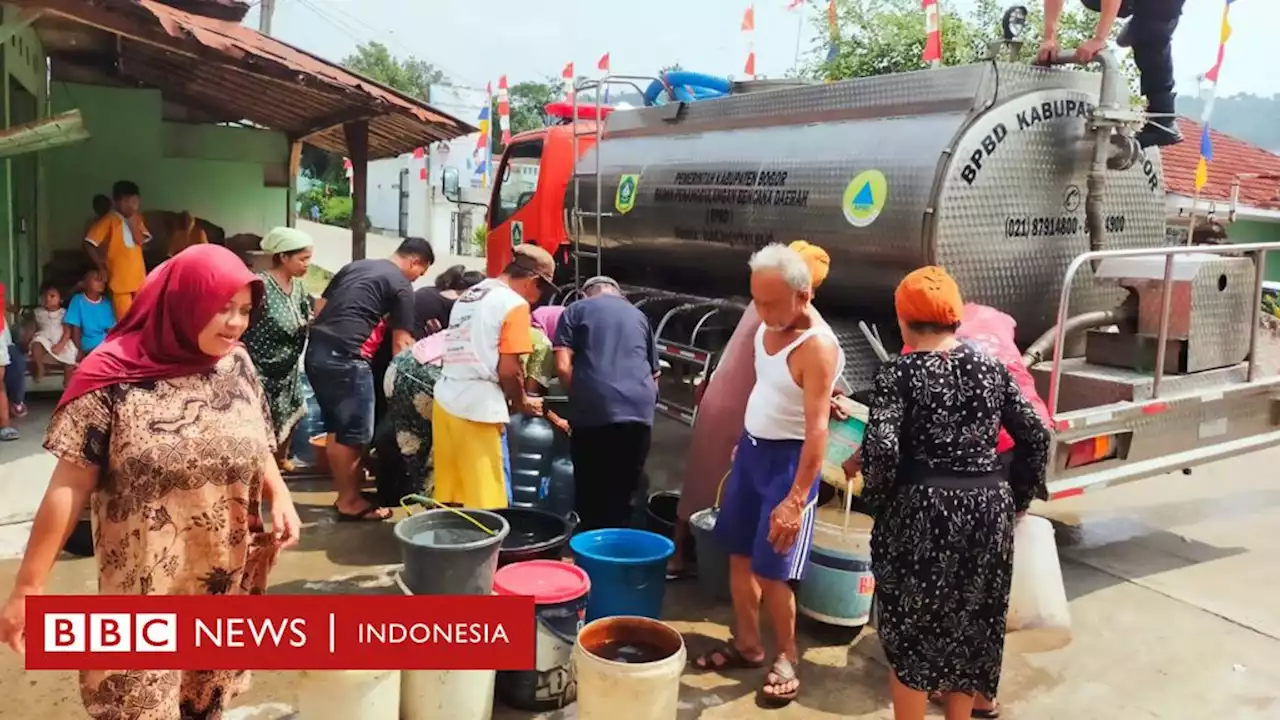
(449, 184)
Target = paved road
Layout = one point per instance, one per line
(1173, 584)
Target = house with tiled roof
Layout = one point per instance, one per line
(1257, 216)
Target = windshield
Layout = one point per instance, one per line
(518, 179)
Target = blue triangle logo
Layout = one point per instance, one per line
(864, 199)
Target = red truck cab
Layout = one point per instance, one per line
(527, 204)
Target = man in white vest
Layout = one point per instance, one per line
(482, 381)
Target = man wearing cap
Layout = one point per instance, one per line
(482, 380)
(607, 360)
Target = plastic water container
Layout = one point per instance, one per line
(1039, 618)
(442, 694)
(838, 585)
(531, 441)
(628, 570)
(629, 667)
(349, 695)
(713, 561)
(309, 426)
(446, 554)
(559, 591)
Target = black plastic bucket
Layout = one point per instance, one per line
(446, 554)
(535, 535)
(661, 515)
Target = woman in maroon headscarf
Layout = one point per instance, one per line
(165, 426)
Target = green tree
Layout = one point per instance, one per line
(410, 76)
(877, 37)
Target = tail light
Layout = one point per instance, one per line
(1096, 449)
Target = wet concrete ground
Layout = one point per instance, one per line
(1173, 584)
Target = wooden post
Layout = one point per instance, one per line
(357, 134)
(291, 197)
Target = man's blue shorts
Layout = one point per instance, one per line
(763, 473)
(344, 390)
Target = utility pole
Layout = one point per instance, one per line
(266, 9)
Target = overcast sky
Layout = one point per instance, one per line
(531, 39)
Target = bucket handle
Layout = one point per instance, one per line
(423, 499)
(573, 520)
(720, 487)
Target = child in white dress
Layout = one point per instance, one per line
(51, 345)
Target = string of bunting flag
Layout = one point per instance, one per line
(1208, 92)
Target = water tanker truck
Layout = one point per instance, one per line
(1023, 181)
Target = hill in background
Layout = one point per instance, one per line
(1251, 118)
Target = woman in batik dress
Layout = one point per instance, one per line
(166, 429)
(942, 544)
(279, 333)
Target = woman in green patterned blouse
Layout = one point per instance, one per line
(279, 332)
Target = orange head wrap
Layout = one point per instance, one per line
(928, 295)
(816, 258)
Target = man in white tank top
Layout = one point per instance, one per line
(767, 509)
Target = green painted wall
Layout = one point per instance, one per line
(217, 173)
(1251, 231)
(22, 62)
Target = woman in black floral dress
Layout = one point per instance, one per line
(942, 545)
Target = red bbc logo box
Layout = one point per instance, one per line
(111, 632)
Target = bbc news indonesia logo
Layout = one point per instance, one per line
(280, 632)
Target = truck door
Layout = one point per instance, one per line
(514, 217)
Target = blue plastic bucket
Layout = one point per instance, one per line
(560, 592)
(628, 571)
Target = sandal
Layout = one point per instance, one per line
(731, 658)
(371, 513)
(781, 674)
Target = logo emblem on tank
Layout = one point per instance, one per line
(626, 198)
(865, 197)
(517, 233)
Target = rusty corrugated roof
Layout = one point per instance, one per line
(237, 73)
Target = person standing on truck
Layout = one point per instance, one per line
(482, 381)
(942, 543)
(718, 424)
(350, 319)
(768, 507)
(607, 361)
(115, 245)
(1150, 33)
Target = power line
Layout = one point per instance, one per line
(348, 27)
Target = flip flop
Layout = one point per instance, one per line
(733, 659)
(369, 514)
(784, 672)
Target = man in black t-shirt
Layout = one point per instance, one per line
(364, 301)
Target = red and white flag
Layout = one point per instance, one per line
(603, 65)
(567, 76)
(933, 33)
(504, 109)
(750, 69)
(749, 19)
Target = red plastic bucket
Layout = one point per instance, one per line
(559, 591)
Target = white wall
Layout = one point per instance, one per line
(465, 104)
(431, 215)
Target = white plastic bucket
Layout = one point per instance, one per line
(610, 689)
(1039, 617)
(349, 695)
(447, 694)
